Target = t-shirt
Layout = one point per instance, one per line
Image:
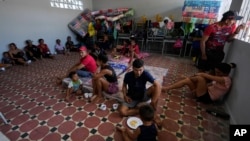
(89, 63)
(137, 86)
(75, 85)
(136, 49)
(217, 90)
(148, 133)
(218, 35)
(44, 48)
(59, 47)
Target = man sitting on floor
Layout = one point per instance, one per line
(136, 91)
(86, 67)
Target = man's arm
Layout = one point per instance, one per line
(231, 36)
(133, 135)
(218, 79)
(203, 47)
(102, 73)
(76, 67)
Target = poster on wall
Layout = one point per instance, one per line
(201, 11)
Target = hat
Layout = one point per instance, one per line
(28, 41)
(232, 15)
(83, 48)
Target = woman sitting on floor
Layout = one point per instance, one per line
(105, 80)
(204, 91)
(17, 55)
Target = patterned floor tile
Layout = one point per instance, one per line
(36, 110)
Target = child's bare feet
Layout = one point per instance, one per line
(58, 81)
(67, 98)
(79, 92)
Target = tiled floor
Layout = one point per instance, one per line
(35, 109)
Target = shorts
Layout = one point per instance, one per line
(113, 88)
(134, 103)
(205, 98)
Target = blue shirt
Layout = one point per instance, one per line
(137, 86)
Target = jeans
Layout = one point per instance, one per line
(82, 73)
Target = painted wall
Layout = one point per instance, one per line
(238, 101)
(148, 8)
(34, 19)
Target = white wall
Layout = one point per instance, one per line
(34, 19)
(148, 8)
(238, 101)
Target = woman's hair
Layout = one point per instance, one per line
(138, 63)
(225, 68)
(13, 44)
(146, 112)
(71, 74)
(103, 58)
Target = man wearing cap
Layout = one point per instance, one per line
(214, 39)
(87, 65)
(32, 52)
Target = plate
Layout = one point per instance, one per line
(134, 122)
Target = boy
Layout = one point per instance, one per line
(145, 132)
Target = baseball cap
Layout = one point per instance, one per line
(83, 48)
(232, 15)
(28, 41)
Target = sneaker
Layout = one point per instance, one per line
(29, 61)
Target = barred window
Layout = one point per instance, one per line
(67, 4)
(245, 12)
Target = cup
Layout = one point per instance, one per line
(103, 107)
(115, 106)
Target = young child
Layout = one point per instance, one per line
(105, 80)
(7, 59)
(60, 49)
(147, 131)
(122, 49)
(134, 49)
(75, 85)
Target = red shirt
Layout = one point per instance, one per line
(89, 63)
(136, 48)
(44, 48)
(218, 35)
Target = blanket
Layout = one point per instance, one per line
(120, 69)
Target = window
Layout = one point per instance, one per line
(67, 4)
(245, 11)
